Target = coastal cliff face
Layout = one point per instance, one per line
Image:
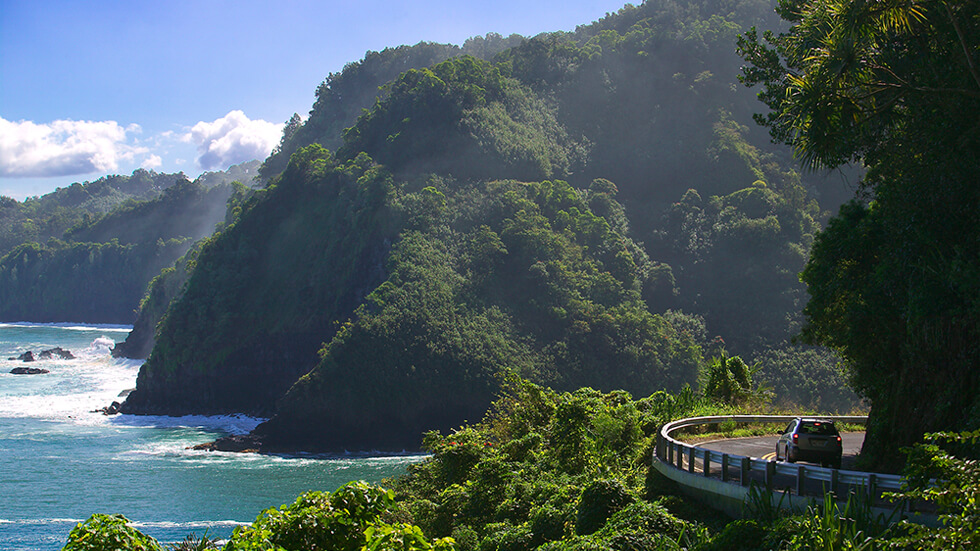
(250, 380)
(264, 295)
(97, 269)
(163, 290)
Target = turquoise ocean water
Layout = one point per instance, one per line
(60, 462)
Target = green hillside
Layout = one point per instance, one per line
(535, 214)
(87, 252)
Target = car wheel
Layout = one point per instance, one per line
(777, 453)
(836, 464)
(790, 455)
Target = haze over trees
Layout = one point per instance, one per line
(585, 208)
(85, 253)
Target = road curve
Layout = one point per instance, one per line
(764, 447)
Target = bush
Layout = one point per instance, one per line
(647, 517)
(403, 537)
(599, 501)
(466, 538)
(547, 524)
(639, 527)
(109, 533)
(315, 521)
(741, 535)
(504, 536)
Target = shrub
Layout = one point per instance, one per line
(599, 501)
(466, 538)
(109, 533)
(315, 521)
(504, 536)
(645, 517)
(547, 524)
(403, 537)
(740, 535)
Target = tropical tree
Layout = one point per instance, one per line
(895, 279)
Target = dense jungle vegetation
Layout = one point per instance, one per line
(553, 470)
(584, 208)
(579, 218)
(86, 253)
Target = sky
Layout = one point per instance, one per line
(96, 87)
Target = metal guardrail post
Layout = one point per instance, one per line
(680, 457)
(800, 480)
(707, 463)
(690, 463)
(834, 480)
(724, 467)
(743, 477)
(770, 474)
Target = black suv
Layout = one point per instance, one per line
(815, 440)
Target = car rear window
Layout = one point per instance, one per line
(817, 427)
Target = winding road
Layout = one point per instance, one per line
(764, 447)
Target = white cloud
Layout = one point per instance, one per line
(64, 147)
(233, 139)
(152, 162)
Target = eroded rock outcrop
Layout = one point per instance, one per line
(48, 354)
(56, 351)
(28, 371)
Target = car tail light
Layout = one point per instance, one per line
(796, 438)
(838, 440)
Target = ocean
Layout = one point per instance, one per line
(61, 461)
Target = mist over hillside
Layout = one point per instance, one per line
(86, 253)
(587, 208)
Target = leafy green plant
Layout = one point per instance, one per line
(827, 527)
(935, 475)
(740, 535)
(109, 533)
(192, 542)
(599, 501)
(403, 537)
(759, 504)
(316, 520)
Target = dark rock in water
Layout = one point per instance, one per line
(245, 443)
(56, 351)
(28, 370)
(45, 355)
(111, 409)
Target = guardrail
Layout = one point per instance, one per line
(702, 470)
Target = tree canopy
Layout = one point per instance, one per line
(895, 278)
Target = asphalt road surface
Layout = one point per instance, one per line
(764, 447)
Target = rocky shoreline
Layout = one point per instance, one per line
(48, 354)
(44, 355)
(242, 443)
(28, 371)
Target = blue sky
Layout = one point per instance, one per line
(97, 87)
